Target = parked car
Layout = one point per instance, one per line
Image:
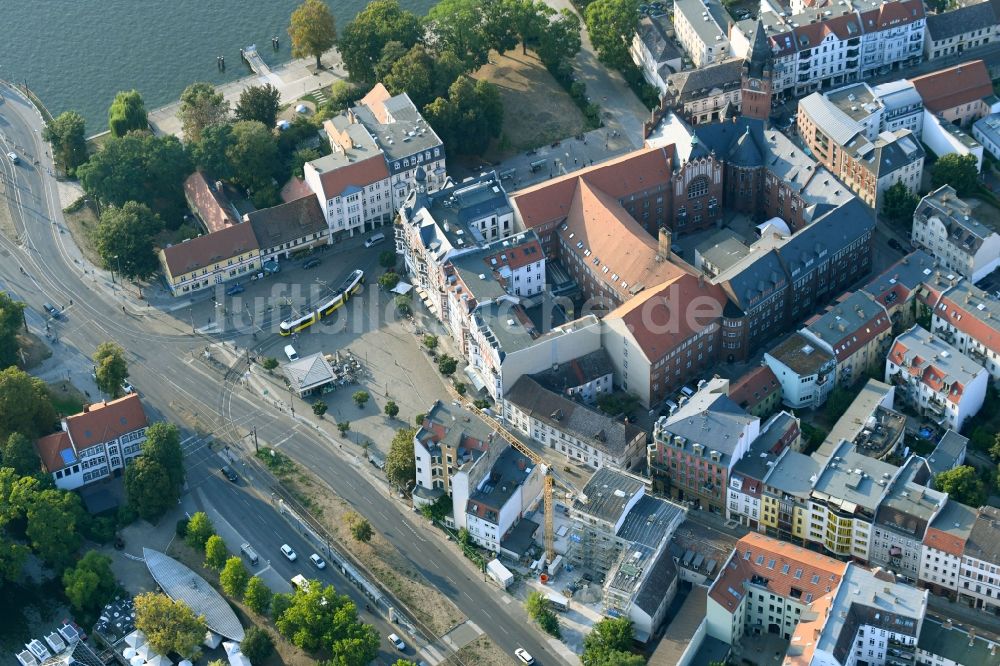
(228, 472)
(52, 310)
(12, 156)
(311, 263)
(127, 388)
(235, 289)
(523, 656)
(397, 642)
(287, 551)
(317, 561)
(895, 245)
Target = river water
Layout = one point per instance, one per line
(76, 54)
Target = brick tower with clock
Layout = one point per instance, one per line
(758, 69)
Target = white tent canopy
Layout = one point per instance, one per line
(211, 640)
(236, 657)
(128, 653)
(402, 288)
(136, 661)
(144, 651)
(185, 662)
(135, 639)
(159, 660)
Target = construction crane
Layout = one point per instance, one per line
(548, 476)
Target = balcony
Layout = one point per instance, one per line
(935, 407)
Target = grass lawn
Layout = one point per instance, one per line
(537, 110)
(33, 350)
(82, 224)
(66, 398)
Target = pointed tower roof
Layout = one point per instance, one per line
(746, 152)
(760, 52)
(698, 149)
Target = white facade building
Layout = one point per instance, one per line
(702, 28)
(946, 227)
(806, 372)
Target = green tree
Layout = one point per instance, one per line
(319, 408)
(260, 103)
(53, 517)
(361, 529)
(898, 203)
(300, 157)
(387, 259)
(280, 603)
(270, 363)
(148, 488)
(209, 154)
(139, 167)
(360, 398)
(391, 409)
(414, 74)
(994, 449)
(24, 405)
(163, 444)
(257, 644)
(91, 583)
(127, 113)
(400, 467)
(343, 427)
(559, 41)
(431, 341)
(199, 529)
(170, 626)
(110, 366)
(12, 558)
(257, 596)
(321, 619)
(253, 153)
(962, 485)
(956, 170)
(201, 106)
(125, 238)
(538, 609)
(234, 577)
(216, 552)
(458, 26)
(11, 323)
(418, 420)
(364, 38)
(447, 365)
(529, 20)
(388, 280)
(18, 453)
(609, 644)
(343, 94)
(470, 117)
(611, 24)
(17, 493)
(403, 305)
(313, 30)
(839, 401)
(67, 134)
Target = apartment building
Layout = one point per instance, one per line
(844, 136)
(289, 228)
(902, 520)
(747, 480)
(583, 379)
(758, 391)
(580, 432)
(935, 379)
(501, 498)
(96, 444)
(654, 52)
(949, 644)
(943, 548)
(968, 318)
(784, 502)
(960, 94)
(695, 448)
(230, 253)
(986, 131)
(806, 372)
(946, 227)
(706, 94)
(902, 107)
(948, 454)
(824, 47)
(702, 28)
(978, 577)
(896, 288)
(951, 33)
(857, 331)
(378, 147)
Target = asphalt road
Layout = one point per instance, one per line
(162, 365)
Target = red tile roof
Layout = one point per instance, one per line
(947, 88)
(295, 189)
(634, 172)
(892, 15)
(944, 541)
(211, 205)
(754, 387)
(103, 421)
(205, 251)
(662, 318)
(971, 322)
(517, 256)
(375, 100)
(49, 450)
(356, 174)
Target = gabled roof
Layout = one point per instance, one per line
(104, 421)
(56, 451)
(711, 419)
(210, 249)
(960, 20)
(850, 324)
(953, 86)
(309, 372)
(937, 364)
(895, 285)
(292, 221)
(350, 177)
(950, 528)
(760, 52)
(211, 205)
(692, 84)
(754, 387)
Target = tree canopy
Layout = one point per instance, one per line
(234, 577)
(18, 453)
(91, 583)
(199, 529)
(163, 444)
(53, 520)
(400, 466)
(216, 552)
(24, 405)
(956, 170)
(170, 626)
(312, 29)
(11, 323)
(148, 488)
(611, 24)
(201, 105)
(125, 237)
(469, 118)
(609, 644)
(321, 619)
(253, 155)
(110, 366)
(260, 103)
(459, 27)
(67, 134)
(257, 595)
(898, 203)
(257, 644)
(209, 154)
(962, 485)
(127, 113)
(365, 37)
(560, 39)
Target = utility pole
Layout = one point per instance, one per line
(291, 404)
(256, 447)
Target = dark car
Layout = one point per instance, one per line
(228, 472)
(235, 289)
(895, 244)
(311, 263)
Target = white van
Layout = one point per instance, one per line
(291, 353)
(250, 553)
(375, 239)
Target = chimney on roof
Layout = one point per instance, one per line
(663, 250)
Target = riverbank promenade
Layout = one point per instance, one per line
(293, 79)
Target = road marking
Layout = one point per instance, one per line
(286, 438)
